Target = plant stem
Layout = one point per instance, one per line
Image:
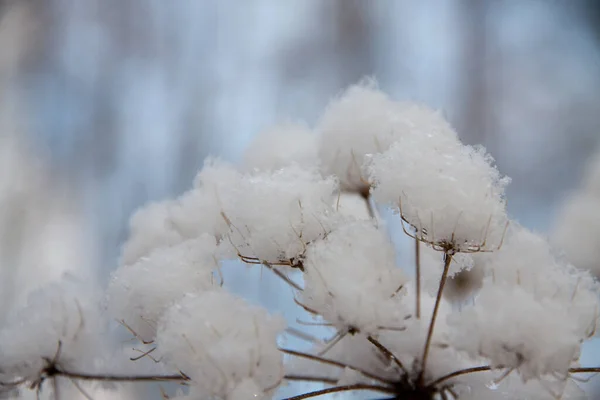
(387, 353)
(584, 370)
(458, 373)
(309, 378)
(333, 363)
(418, 276)
(338, 389)
(438, 300)
(366, 195)
(121, 378)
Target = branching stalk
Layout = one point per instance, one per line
(418, 277)
(310, 378)
(387, 353)
(438, 300)
(338, 389)
(459, 373)
(334, 363)
(584, 370)
(121, 378)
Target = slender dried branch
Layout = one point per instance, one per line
(387, 353)
(584, 370)
(367, 198)
(447, 260)
(121, 378)
(418, 277)
(338, 389)
(459, 373)
(309, 378)
(284, 277)
(335, 364)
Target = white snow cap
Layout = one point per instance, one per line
(66, 312)
(449, 192)
(533, 311)
(282, 145)
(140, 293)
(577, 231)
(577, 226)
(222, 343)
(510, 327)
(526, 260)
(171, 222)
(274, 214)
(352, 280)
(149, 228)
(360, 121)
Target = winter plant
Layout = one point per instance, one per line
(577, 229)
(305, 206)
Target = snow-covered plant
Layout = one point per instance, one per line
(304, 206)
(577, 229)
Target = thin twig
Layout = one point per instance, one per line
(418, 276)
(584, 370)
(332, 342)
(304, 336)
(121, 378)
(387, 353)
(459, 373)
(144, 354)
(55, 389)
(309, 378)
(283, 276)
(83, 392)
(335, 364)
(338, 389)
(438, 300)
(367, 198)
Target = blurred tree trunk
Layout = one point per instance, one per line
(472, 120)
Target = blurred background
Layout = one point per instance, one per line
(106, 105)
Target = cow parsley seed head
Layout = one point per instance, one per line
(526, 260)
(140, 293)
(60, 320)
(149, 228)
(577, 226)
(226, 346)
(577, 231)
(273, 215)
(361, 121)
(196, 212)
(282, 145)
(352, 280)
(523, 343)
(449, 193)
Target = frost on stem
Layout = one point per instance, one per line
(227, 347)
